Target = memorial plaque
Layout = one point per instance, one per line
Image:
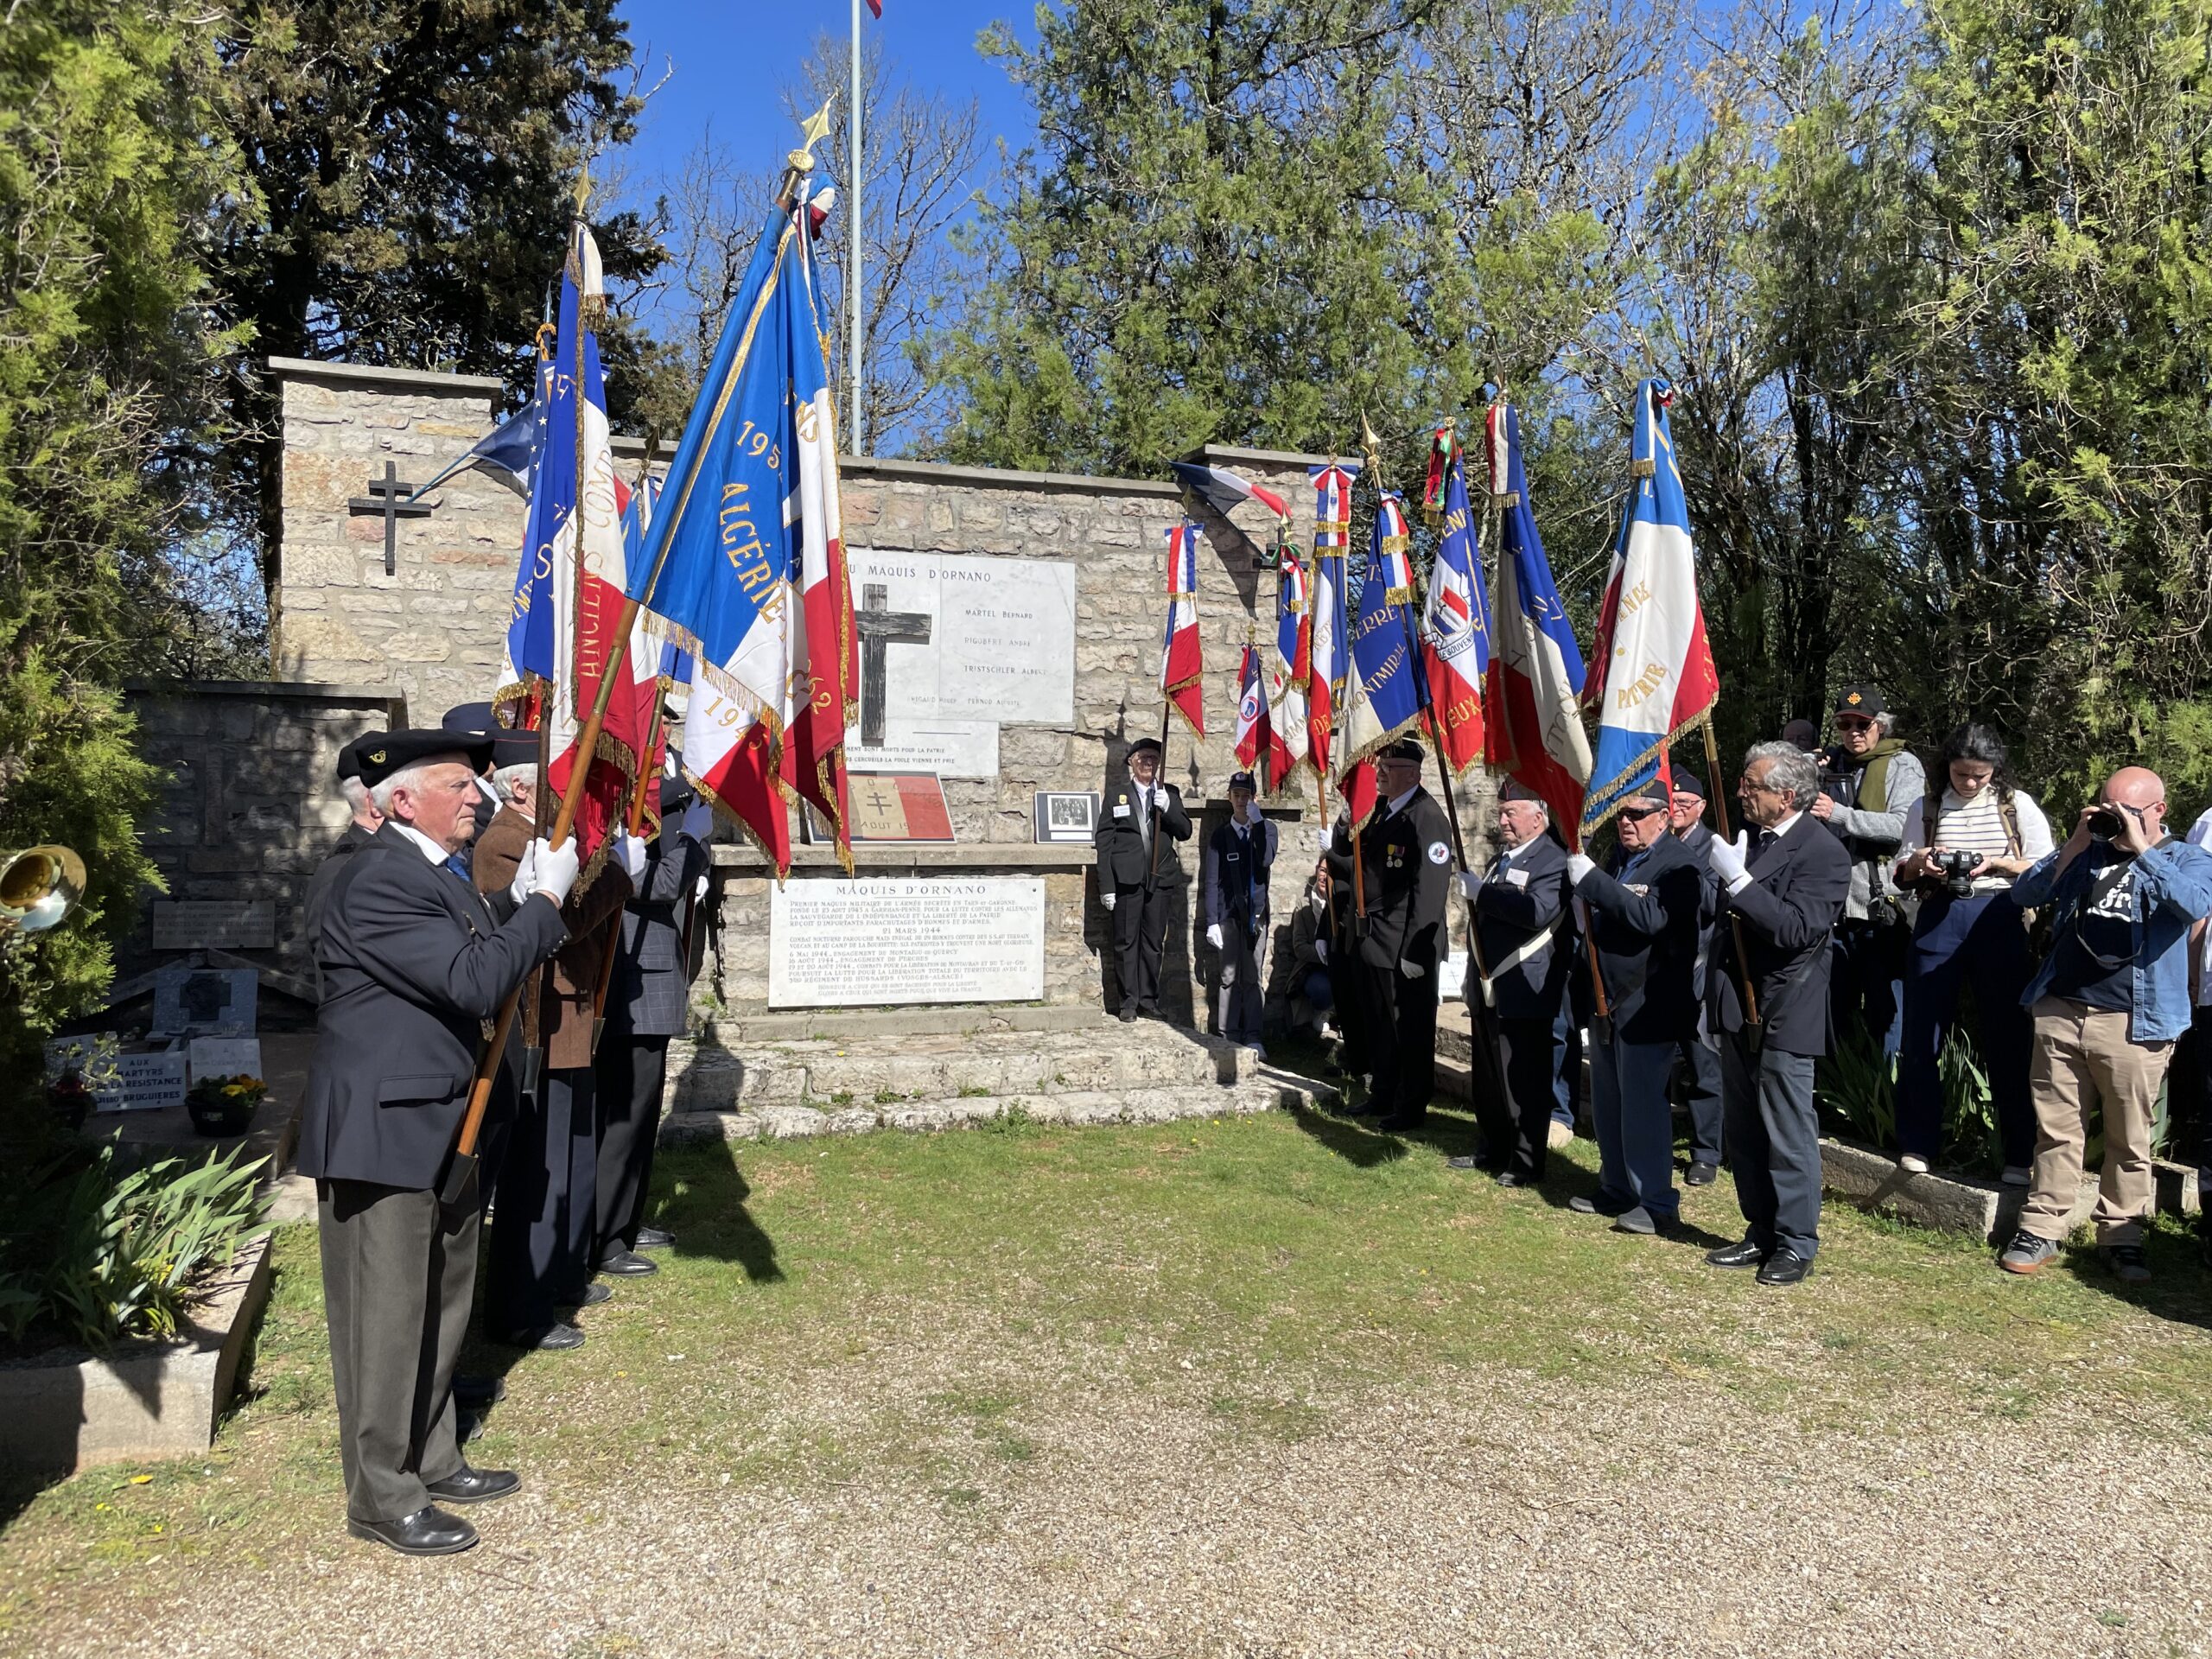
(989, 640)
(897, 806)
(224, 1057)
(146, 1083)
(215, 924)
(204, 1002)
(950, 748)
(851, 943)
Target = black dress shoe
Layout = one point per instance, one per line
(1603, 1204)
(428, 1531)
(1742, 1254)
(1699, 1174)
(1512, 1178)
(467, 1485)
(1399, 1122)
(626, 1264)
(591, 1296)
(477, 1392)
(1129, 1016)
(1783, 1267)
(553, 1338)
(654, 1238)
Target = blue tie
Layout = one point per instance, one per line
(458, 863)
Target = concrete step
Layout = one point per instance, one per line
(929, 1067)
(1261, 1090)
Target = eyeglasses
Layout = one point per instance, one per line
(1854, 723)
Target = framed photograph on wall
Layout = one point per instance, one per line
(1066, 815)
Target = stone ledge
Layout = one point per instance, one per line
(70, 1411)
(978, 855)
(1234, 456)
(389, 696)
(993, 478)
(438, 383)
(1951, 1203)
(935, 1020)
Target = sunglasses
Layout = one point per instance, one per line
(1634, 810)
(1854, 723)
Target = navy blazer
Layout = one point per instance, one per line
(1123, 864)
(1647, 933)
(414, 970)
(1507, 912)
(1788, 915)
(652, 996)
(1233, 876)
(1405, 875)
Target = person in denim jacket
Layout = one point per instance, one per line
(2108, 1003)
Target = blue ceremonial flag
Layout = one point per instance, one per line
(1383, 700)
(530, 627)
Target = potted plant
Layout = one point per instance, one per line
(222, 1106)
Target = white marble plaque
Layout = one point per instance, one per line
(950, 748)
(853, 943)
(1002, 636)
(223, 1057)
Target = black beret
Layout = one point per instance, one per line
(514, 748)
(1144, 746)
(469, 717)
(396, 751)
(349, 758)
(1405, 748)
(1688, 783)
(1514, 790)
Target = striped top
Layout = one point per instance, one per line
(1978, 825)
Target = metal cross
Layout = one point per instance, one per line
(388, 496)
(880, 628)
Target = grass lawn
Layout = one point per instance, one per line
(1279, 1266)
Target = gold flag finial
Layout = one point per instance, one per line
(811, 132)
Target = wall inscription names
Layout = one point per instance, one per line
(872, 940)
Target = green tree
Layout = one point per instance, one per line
(110, 192)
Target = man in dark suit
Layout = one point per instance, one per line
(1699, 1060)
(1785, 888)
(414, 970)
(366, 819)
(1645, 908)
(546, 1210)
(649, 1002)
(1140, 873)
(1233, 878)
(1526, 933)
(1405, 857)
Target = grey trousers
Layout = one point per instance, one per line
(397, 1277)
(1774, 1139)
(1243, 976)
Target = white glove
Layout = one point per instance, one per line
(697, 821)
(1107, 899)
(557, 868)
(525, 882)
(1320, 949)
(1471, 882)
(1578, 867)
(1726, 861)
(1213, 934)
(699, 892)
(630, 852)
(1411, 969)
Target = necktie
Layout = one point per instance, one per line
(1144, 818)
(458, 863)
(1767, 839)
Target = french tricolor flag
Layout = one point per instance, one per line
(1251, 735)
(1181, 669)
(1535, 679)
(1287, 674)
(1455, 628)
(1330, 648)
(1221, 489)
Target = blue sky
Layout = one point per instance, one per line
(732, 58)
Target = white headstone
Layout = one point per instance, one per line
(856, 943)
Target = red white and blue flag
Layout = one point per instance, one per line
(1455, 627)
(747, 568)
(568, 598)
(1251, 735)
(1330, 648)
(1182, 670)
(1221, 489)
(1535, 679)
(1658, 678)
(1382, 695)
(1290, 668)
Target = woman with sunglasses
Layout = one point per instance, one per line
(1965, 845)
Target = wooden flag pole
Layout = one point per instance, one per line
(1735, 921)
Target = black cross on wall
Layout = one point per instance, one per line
(388, 496)
(881, 627)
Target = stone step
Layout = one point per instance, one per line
(830, 1076)
(1262, 1089)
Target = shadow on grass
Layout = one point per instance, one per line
(1353, 1140)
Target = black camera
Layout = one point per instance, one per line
(2104, 824)
(1956, 868)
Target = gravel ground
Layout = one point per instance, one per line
(1491, 1514)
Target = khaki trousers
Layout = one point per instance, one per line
(2081, 1058)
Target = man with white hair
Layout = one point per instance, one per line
(366, 819)
(414, 970)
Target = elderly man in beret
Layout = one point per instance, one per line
(414, 969)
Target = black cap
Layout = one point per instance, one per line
(1514, 790)
(349, 758)
(1861, 700)
(396, 751)
(1688, 783)
(1144, 746)
(1243, 780)
(469, 717)
(675, 794)
(1405, 748)
(514, 748)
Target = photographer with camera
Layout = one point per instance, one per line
(2108, 1003)
(1964, 849)
(1870, 783)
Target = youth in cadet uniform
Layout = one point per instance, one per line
(1139, 873)
(1240, 856)
(648, 1003)
(1645, 907)
(547, 1206)
(1405, 856)
(414, 970)
(1528, 938)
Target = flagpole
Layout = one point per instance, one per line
(853, 297)
(1735, 919)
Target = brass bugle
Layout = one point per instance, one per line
(39, 886)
